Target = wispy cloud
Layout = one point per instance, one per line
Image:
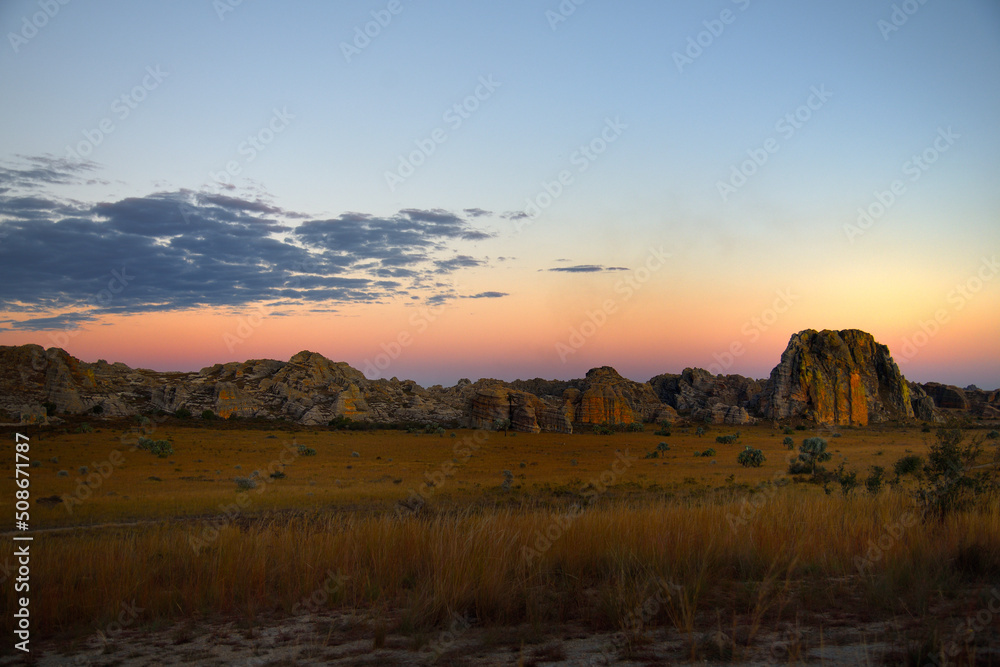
(587, 268)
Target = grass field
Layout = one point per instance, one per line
(418, 529)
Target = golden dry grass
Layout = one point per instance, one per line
(723, 544)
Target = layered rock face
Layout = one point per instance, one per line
(971, 400)
(720, 399)
(836, 377)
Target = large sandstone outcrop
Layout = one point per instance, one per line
(836, 377)
(720, 399)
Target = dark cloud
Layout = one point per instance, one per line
(458, 262)
(514, 215)
(476, 212)
(59, 322)
(33, 172)
(178, 250)
(587, 268)
(486, 295)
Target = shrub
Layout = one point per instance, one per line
(788, 443)
(635, 427)
(278, 474)
(950, 481)
(708, 452)
(751, 458)
(306, 451)
(36, 464)
(875, 480)
(797, 467)
(603, 429)
(84, 428)
(62, 473)
(653, 454)
(812, 452)
(662, 447)
(800, 427)
(907, 465)
(161, 448)
(848, 480)
(245, 483)
(788, 430)
(726, 439)
(182, 413)
(993, 435)
(700, 431)
(664, 430)
(50, 408)
(207, 414)
(340, 423)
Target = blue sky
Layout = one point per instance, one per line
(552, 87)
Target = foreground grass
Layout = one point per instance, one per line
(792, 555)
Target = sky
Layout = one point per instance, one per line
(521, 189)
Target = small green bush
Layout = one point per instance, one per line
(875, 480)
(635, 427)
(993, 435)
(751, 458)
(788, 430)
(207, 414)
(662, 447)
(907, 465)
(306, 451)
(245, 483)
(278, 474)
(182, 413)
(788, 443)
(161, 448)
(726, 439)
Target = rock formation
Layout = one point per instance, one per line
(720, 399)
(836, 377)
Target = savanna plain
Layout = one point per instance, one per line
(268, 543)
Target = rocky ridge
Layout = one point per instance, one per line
(833, 377)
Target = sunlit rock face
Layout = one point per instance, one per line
(836, 377)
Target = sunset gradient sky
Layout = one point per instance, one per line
(517, 189)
